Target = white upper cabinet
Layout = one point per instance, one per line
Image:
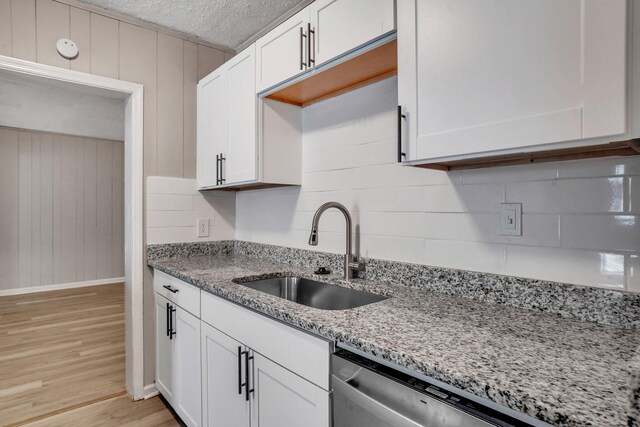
(240, 155)
(282, 53)
(213, 120)
(244, 141)
(485, 76)
(342, 25)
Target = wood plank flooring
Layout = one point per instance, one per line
(62, 355)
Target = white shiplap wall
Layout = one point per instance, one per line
(174, 206)
(61, 209)
(580, 219)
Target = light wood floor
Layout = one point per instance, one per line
(62, 361)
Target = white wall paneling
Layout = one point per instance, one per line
(580, 222)
(174, 205)
(64, 202)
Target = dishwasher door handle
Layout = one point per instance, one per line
(348, 392)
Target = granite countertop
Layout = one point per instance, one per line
(565, 372)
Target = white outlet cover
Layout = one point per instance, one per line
(67, 49)
(203, 227)
(511, 219)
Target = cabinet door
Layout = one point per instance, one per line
(164, 351)
(342, 25)
(240, 164)
(283, 399)
(212, 125)
(223, 403)
(477, 76)
(281, 54)
(186, 370)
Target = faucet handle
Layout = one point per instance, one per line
(355, 265)
(322, 270)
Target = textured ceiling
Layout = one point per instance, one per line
(226, 23)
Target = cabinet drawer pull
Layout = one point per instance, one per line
(401, 117)
(303, 36)
(239, 370)
(247, 391)
(217, 169)
(172, 331)
(311, 57)
(171, 289)
(242, 384)
(222, 160)
(168, 316)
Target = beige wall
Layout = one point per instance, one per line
(62, 205)
(167, 66)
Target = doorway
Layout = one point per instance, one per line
(131, 96)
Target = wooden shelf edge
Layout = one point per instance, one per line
(618, 148)
(373, 65)
(254, 186)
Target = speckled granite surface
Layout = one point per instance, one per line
(562, 371)
(584, 303)
(634, 385)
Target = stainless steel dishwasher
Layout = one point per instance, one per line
(368, 394)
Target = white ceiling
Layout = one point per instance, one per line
(226, 23)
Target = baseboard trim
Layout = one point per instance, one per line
(150, 391)
(33, 289)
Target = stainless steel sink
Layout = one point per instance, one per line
(314, 294)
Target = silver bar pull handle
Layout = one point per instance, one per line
(311, 56)
(401, 118)
(303, 36)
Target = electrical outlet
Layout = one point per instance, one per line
(511, 223)
(203, 227)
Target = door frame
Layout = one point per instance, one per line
(132, 94)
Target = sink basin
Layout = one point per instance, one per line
(314, 294)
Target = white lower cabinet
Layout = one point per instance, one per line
(188, 402)
(178, 376)
(164, 350)
(234, 367)
(283, 399)
(222, 390)
(242, 387)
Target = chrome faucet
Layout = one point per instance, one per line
(351, 264)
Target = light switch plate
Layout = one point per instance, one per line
(511, 219)
(203, 227)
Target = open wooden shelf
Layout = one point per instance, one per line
(620, 148)
(374, 65)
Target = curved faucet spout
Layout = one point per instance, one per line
(313, 237)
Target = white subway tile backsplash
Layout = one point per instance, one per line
(520, 173)
(587, 268)
(392, 199)
(601, 232)
(633, 273)
(158, 218)
(169, 202)
(614, 166)
(174, 206)
(474, 256)
(634, 194)
(464, 198)
(592, 195)
(161, 185)
(393, 248)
